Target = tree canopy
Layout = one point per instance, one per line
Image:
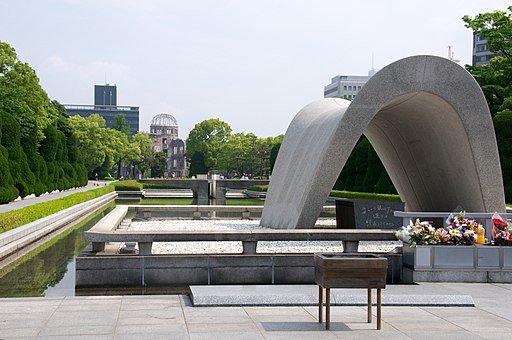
(38, 146)
(495, 79)
(211, 145)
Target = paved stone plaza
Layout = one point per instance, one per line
(173, 317)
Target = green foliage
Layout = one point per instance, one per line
(130, 185)
(344, 194)
(167, 201)
(158, 164)
(207, 139)
(141, 147)
(15, 218)
(364, 171)
(157, 186)
(365, 195)
(260, 188)
(22, 97)
(197, 164)
(121, 124)
(274, 151)
(38, 148)
(496, 81)
(503, 128)
(212, 146)
(496, 27)
(103, 146)
(244, 201)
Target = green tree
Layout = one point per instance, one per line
(158, 164)
(204, 144)
(496, 81)
(141, 148)
(495, 78)
(274, 151)
(121, 124)
(22, 97)
(90, 135)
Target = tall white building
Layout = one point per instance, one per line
(346, 87)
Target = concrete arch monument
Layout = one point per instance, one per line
(429, 123)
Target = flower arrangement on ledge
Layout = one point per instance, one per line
(501, 231)
(460, 230)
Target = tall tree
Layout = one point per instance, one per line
(121, 124)
(496, 81)
(495, 78)
(204, 144)
(142, 151)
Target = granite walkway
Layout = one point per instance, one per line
(173, 317)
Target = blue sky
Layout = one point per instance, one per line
(253, 64)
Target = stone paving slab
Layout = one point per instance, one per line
(307, 295)
(173, 317)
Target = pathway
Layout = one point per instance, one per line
(173, 317)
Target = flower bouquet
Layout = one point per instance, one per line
(501, 231)
(460, 230)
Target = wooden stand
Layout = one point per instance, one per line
(328, 306)
(349, 271)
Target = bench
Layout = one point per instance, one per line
(249, 238)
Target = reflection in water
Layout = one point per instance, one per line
(49, 269)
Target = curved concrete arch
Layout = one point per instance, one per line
(429, 123)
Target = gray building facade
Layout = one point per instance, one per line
(105, 104)
(481, 53)
(346, 87)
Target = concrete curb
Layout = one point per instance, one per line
(16, 239)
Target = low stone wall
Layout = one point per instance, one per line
(13, 242)
(182, 270)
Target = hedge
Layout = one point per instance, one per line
(344, 194)
(365, 196)
(15, 218)
(260, 188)
(130, 185)
(157, 186)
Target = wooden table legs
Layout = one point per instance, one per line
(379, 307)
(369, 305)
(328, 306)
(320, 303)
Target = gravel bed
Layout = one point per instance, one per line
(236, 247)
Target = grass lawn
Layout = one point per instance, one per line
(244, 201)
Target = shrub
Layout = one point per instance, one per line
(365, 196)
(15, 218)
(261, 188)
(157, 186)
(130, 185)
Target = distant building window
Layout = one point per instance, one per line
(481, 48)
(174, 163)
(164, 140)
(359, 88)
(345, 88)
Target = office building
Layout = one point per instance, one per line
(346, 87)
(481, 53)
(105, 104)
